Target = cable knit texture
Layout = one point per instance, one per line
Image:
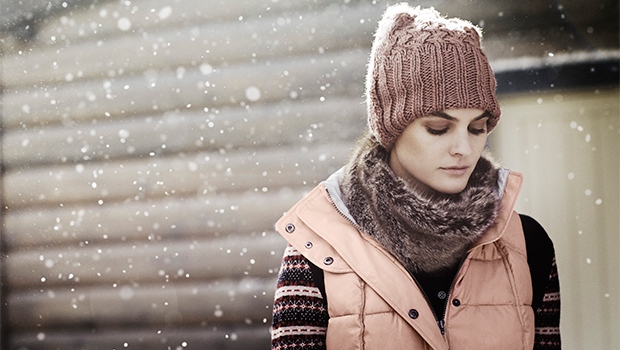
(426, 233)
(423, 63)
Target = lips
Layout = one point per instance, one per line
(456, 170)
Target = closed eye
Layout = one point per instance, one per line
(477, 131)
(436, 131)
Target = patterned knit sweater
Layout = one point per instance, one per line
(300, 310)
(300, 314)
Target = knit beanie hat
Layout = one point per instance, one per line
(423, 63)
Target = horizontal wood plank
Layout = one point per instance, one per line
(154, 261)
(312, 77)
(207, 336)
(223, 302)
(214, 44)
(198, 174)
(270, 125)
(140, 221)
(107, 20)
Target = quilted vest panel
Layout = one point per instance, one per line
(492, 309)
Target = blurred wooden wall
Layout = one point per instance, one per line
(148, 150)
(148, 147)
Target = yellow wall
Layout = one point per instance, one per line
(568, 146)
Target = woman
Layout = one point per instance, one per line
(415, 243)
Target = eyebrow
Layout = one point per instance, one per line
(451, 118)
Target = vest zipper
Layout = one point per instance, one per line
(442, 322)
(442, 326)
(341, 213)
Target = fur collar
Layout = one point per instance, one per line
(425, 233)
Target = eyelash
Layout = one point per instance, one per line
(444, 130)
(477, 131)
(437, 132)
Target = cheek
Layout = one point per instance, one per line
(483, 143)
(479, 142)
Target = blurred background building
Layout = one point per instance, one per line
(148, 146)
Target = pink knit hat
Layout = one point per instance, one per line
(422, 63)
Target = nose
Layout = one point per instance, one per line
(461, 145)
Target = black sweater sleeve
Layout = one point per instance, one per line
(545, 285)
(540, 255)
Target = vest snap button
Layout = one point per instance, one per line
(328, 261)
(456, 302)
(289, 228)
(413, 313)
(308, 245)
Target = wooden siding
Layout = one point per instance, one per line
(143, 177)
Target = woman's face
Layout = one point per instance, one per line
(440, 151)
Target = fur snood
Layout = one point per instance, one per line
(425, 233)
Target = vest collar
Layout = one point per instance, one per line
(511, 183)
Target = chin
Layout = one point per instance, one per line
(450, 188)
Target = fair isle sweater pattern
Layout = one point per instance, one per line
(547, 317)
(300, 311)
(300, 314)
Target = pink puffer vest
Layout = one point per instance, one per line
(375, 304)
